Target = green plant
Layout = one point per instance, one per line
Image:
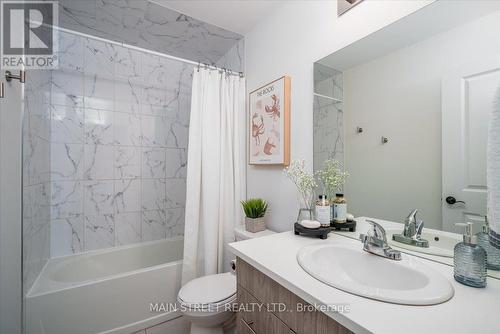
(254, 207)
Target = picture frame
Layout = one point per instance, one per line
(269, 123)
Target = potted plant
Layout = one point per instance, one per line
(255, 210)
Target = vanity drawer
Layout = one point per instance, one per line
(243, 328)
(298, 317)
(248, 312)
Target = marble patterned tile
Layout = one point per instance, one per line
(177, 134)
(66, 236)
(234, 58)
(175, 193)
(37, 91)
(174, 222)
(127, 197)
(153, 163)
(128, 96)
(153, 194)
(153, 225)
(36, 249)
(127, 64)
(67, 88)
(36, 201)
(148, 25)
(70, 52)
(67, 124)
(153, 131)
(127, 162)
(99, 58)
(128, 228)
(99, 92)
(66, 199)
(176, 162)
(127, 129)
(36, 159)
(98, 197)
(78, 15)
(66, 161)
(39, 123)
(99, 127)
(153, 96)
(99, 232)
(99, 162)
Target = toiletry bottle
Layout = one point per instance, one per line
(323, 211)
(469, 261)
(339, 209)
(493, 253)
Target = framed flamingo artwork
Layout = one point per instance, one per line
(269, 111)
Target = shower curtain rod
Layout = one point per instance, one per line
(159, 54)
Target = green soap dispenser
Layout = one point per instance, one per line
(469, 260)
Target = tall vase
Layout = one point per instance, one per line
(306, 211)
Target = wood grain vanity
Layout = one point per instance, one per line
(262, 300)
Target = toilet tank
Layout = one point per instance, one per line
(241, 234)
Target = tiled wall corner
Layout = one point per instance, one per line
(118, 146)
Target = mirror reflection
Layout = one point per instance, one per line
(408, 118)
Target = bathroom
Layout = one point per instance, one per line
(132, 166)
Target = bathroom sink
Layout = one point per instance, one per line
(440, 243)
(349, 268)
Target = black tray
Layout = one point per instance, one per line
(350, 226)
(320, 232)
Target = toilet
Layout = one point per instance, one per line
(207, 301)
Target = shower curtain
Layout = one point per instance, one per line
(215, 171)
(493, 174)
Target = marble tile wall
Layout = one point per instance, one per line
(36, 181)
(119, 122)
(148, 25)
(327, 115)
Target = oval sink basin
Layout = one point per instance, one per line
(349, 268)
(439, 244)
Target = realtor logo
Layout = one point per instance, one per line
(28, 36)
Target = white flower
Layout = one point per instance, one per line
(332, 176)
(303, 180)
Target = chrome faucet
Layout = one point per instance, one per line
(412, 232)
(375, 242)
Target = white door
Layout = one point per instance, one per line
(467, 99)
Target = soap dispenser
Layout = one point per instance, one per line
(469, 260)
(493, 253)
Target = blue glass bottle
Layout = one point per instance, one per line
(493, 253)
(469, 261)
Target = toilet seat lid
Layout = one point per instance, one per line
(209, 289)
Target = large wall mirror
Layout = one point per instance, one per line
(406, 110)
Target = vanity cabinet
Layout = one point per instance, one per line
(266, 307)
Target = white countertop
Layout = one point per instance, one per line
(470, 311)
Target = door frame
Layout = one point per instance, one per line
(11, 277)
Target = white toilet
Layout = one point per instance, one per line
(207, 301)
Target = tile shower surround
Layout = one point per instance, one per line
(151, 26)
(118, 142)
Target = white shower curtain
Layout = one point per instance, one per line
(215, 171)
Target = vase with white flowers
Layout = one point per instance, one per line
(332, 177)
(305, 183)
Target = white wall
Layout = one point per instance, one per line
(404, 90)
(288, 42)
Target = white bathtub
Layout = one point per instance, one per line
(106, 291)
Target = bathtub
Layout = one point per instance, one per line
(108, 291)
